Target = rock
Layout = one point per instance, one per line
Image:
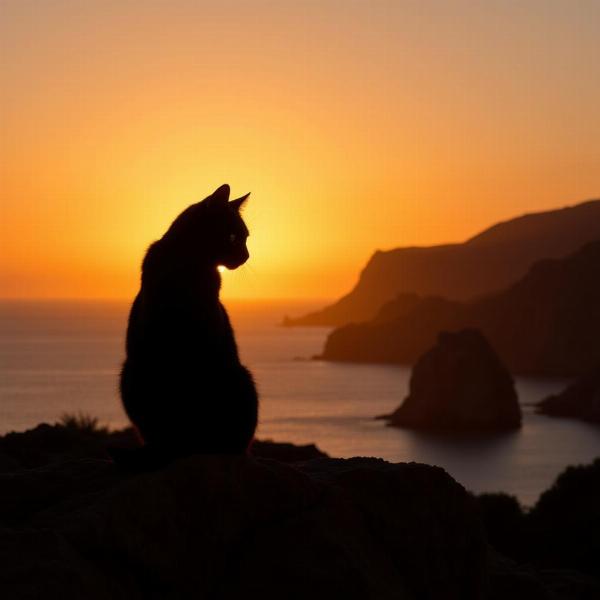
(580, 400)
(230, 527)
(285, 452)
(459, 385)
(47, 444)
(226, 527)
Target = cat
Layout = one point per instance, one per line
(182, 383)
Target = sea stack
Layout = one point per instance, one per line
(460, 385)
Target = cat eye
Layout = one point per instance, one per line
(232, 237)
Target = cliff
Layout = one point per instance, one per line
(490, 261)
(548, 323)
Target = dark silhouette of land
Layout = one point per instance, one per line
(548, 323)
(460, 385)
(182, 383)
(232, 526)
(580, 400)
(561, 530)
(488, 262)
(81, 437)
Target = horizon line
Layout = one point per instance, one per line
(130, 299)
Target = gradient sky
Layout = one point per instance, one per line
(356, 125)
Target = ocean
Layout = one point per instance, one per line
(60, 357)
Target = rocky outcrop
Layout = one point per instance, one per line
(459, 385)
(548, 323)
(82, 438)
(229, 527)
(580, 400)
(232, 527)
(75, 526)
(285, 452)
(490, 261)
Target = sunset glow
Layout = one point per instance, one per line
(355, 125)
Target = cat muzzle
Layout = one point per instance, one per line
(233, 262)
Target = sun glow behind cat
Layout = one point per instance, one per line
(357, 126)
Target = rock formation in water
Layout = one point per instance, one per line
(548, 323)
(580, 400)
(459, 385)
(492, 260)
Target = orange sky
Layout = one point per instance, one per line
(356, 125)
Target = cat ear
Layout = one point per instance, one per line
(219, 196)
(238, 202)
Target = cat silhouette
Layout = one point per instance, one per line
(182, 383)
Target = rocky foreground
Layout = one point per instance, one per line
(231, 527)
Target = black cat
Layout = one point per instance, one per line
(182, 383)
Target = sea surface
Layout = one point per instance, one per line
(62, 357)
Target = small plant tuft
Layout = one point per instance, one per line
(82, 423)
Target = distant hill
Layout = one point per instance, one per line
(548, 323)
(490, 261)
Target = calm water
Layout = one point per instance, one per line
(58, 357)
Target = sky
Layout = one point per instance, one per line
(356, 124)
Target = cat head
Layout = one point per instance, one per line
(212, 230)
